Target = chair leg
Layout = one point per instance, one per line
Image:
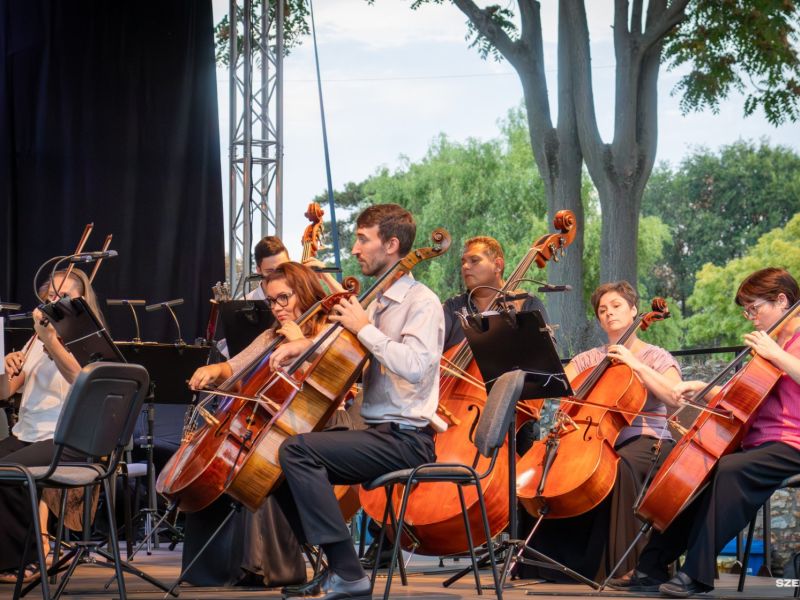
(498, 588)
(746, 559)
(398, 533)
(126, 509)
(112, 539)
(382, 536)
(470, 543)
(400, 564)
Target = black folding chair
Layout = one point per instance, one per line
(493, 427)
(97, 420)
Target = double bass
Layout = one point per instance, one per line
(717, 431)
(574, 468)
(433, 519)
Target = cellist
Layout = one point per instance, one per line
(403, 329)
(592, 542)
(744, 480)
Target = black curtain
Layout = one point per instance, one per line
(108, 114)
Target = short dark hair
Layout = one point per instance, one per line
(393, 221)
(768, 284)
(623, 288)
(269, 246)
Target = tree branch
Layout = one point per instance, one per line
(636, 18)
(486, 27)
(660, 20)
(574, 32)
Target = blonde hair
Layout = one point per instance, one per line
(86, 291)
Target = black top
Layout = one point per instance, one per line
(454, 333)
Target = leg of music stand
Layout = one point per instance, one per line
(645, 528)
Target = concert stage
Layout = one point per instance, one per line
(425, 579)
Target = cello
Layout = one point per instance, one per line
(574, 468)
(433, 519)
(717, 431)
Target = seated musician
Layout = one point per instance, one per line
(403, 329)
(483, 263)
(744, 480)
(44, 379)
(592, 543)
(266, 550)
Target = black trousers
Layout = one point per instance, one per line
(742, 482)
(15, 513)
(311, 462)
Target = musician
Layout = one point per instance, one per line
(269, 253)
(593, 542)
(744, 480)
(262, 546)
(483, 264)
(44, 379)
(403, 329)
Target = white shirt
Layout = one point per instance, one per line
(43, 396)
(256, 294)
(405, 337)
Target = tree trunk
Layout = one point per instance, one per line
(620, 232)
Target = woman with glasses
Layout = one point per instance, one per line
(744, 480)
(291, 289)
(258, 547)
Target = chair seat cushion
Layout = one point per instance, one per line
(429, 472)
(69, 475)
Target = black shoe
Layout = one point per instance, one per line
(638, 582)
(309, 588)
(334, 587)
(683, 586)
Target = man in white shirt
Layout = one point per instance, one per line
(404, 331)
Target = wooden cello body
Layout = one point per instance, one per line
(574, 468)
(433, 515)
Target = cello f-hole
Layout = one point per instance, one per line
(474, 425)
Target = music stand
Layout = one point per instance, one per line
(503, 341)
(81, 331)
(169, 366)
(243, 321)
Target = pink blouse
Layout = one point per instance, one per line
(778, 417)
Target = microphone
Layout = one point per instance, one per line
(87, 257)
(547, 288)
(125, 302)
(517, 296)
(168, 305)
(254, 277)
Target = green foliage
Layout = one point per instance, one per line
(295, 26)
(717, 319)
(717, 205)
(726, 42)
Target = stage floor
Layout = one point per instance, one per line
(425, 579)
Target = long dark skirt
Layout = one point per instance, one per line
(593, 542)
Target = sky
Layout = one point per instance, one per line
(394, 79)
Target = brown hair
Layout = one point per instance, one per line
(306, 286)
(623, 288)
(393, 221)
(493, 248)
(768, 284)
(269, 246)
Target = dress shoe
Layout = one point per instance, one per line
(309, 588)
(637, 582)
(334, 587)
(683, 586)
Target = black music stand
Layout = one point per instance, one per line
(503, 341)
(243, 321)
(81, 331)
(169, 366)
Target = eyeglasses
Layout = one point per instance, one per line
(280, 299)
(751, 311)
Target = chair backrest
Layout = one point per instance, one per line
(101, 409)
(496, 418)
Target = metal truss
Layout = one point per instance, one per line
(256, 130)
